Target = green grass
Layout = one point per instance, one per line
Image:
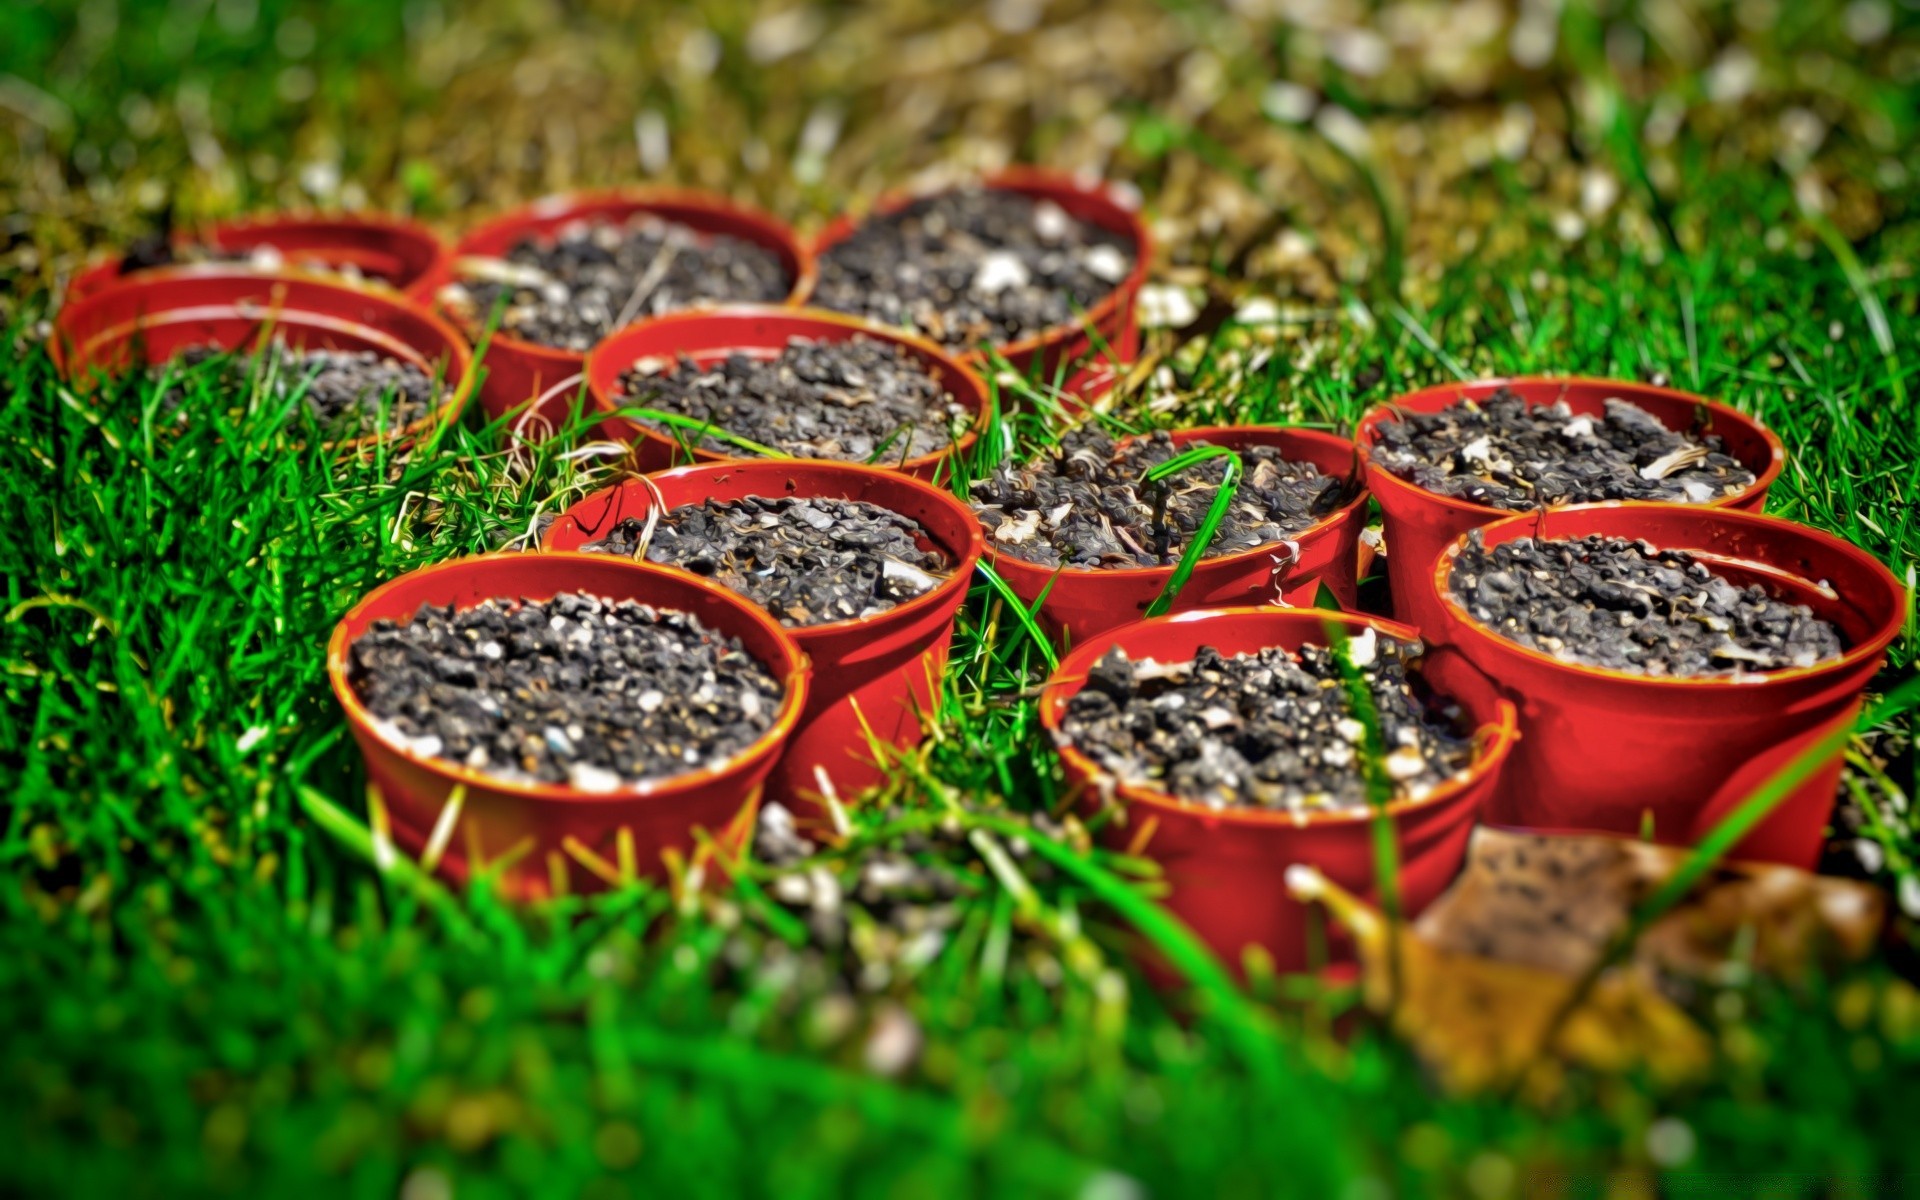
(208, 987)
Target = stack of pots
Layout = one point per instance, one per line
(1612, 752)
(1561, 747)
(857, 690)
(1678, 754)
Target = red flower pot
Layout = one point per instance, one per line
(873, 675)
(1600, 748)
(555, 837)
(1226, 868)
(149, 317)
(1085, 601)
(760, 331)
(519, 370)
(385, 249)
(1091, 349)
(1419, 524)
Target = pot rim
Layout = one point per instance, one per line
(958, 581)
(208, 234)
(605, 403)
(460, 354)
(1866, 651)
(1027, 179)
(1357, 478)
(1364, 436)
(1491, 740)
(640, 198)
(793, 676)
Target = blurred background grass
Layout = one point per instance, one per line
(205, 990)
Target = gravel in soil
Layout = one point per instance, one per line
(1501, 453)
(974, 265)
(857, 400)
(806, 561)
(1271, 729)
(346, 390)
(1086, 505)
(263, 257)
(1626, 606)
(593, 277)
(576, 690)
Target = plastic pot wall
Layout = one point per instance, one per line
(519, 370)
(1090, 351)
(875, 675)
(1419, 524)
(1083, 602)
(540, 836)
(151, 316)
(1226, 868)
(709, 337)
(390, 250)
(1601, 749)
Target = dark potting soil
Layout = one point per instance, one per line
(1625, 606)
(574, 690)
(806, 561)
(1265, 730)
(1085, 505)
(346, 390)
(570, 290)
(263, 257)
(974, 265)
(857, 400)
(1501, 453)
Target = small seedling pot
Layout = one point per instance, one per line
(1084, 601)
(519, 370)
(147, 318)
(547, 838)
(759, 331)
(1604, 751)
(875, 678)
(1091, 350)
(1419, 524)
(1226, 868)
(390, 250)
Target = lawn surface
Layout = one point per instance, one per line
(208, 987)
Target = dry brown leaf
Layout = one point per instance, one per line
(1480, 1023)
(1554, 902)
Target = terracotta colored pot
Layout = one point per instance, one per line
(391, 250)
(560, 838)
(709, 337)
(1091, 349)
(1418, 524)
(1599, 749)
(876, 675)
(151, 316)
(1226, 868)
(519, 370)
(1085, 601)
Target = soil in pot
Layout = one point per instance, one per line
(570, 290)
(974, 265)
(348, 391)
(576, 690)
(853, 400)
(264, 257)
(1622, 605)
(1269, 729)
(1500, 452)
(806, 561)
(1087, 504)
